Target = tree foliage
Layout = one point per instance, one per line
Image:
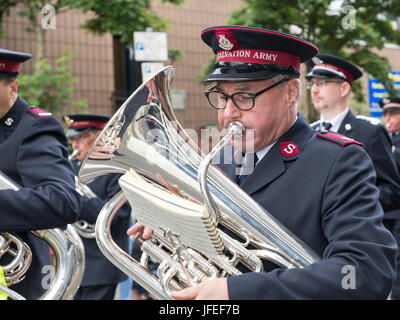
(120, 17)
(51, 87)
(354, 30)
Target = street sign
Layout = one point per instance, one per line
(150, 68)
(150, 46)
(376, 91)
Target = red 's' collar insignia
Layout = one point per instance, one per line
(289, 149)
(338, 138)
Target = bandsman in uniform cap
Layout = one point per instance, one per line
(391, 117)
(321, 187)
(35, 156)
(101, 277)
(330, 83)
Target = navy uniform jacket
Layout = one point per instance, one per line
(34, 154)
(396, 148)
(376, 141)
(98, 269)
(326, 195)
(395, 214)
(396, 139)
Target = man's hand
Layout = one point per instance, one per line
(216, 289)
(142, 231)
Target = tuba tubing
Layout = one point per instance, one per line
(117, 256)
(69, 254)
(84, 228)
(144, 135)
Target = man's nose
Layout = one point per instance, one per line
(314, 89)
(231, 111)
(74, 144)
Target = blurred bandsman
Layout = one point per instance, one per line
(34, 154)
(101, 276)
(330, 82)
(391, 118)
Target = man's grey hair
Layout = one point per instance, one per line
(280, 77)
(8, 78)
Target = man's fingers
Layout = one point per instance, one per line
(186, 294)
(147, 233)
(141, 230)
(136, 228)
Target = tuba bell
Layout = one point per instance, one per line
(163, 169)
(68, 251)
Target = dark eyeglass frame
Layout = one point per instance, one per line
(251, 95)
(323, 82)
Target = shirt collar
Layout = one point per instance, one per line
(336, 121)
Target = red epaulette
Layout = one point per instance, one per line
(38, 112)
(338, 138)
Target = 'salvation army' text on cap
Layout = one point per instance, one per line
(390, 104)
(10, 61)
(247, 53)
(80, 123)
(328, 66)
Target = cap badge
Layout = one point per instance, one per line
(224, 43)
(68, 121)
(289, 149)
(317, 60)
(226, 40)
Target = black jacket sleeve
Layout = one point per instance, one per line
(359, 258)
(48, 198)
(105, 187)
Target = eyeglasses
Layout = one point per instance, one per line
(242, 100)
(80, 137)
(320, 83)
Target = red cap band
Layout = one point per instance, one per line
(348, 75)
(88, 124)
(9, 66)
(259, 56)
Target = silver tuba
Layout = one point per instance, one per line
(84, 228)
(68, 251)
(144, 142)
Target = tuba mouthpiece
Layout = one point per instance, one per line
(236, 128)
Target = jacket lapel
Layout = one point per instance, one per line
(347, 126)
(275, 162)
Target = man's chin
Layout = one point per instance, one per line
(244, 145)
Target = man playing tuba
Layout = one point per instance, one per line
(320, 186)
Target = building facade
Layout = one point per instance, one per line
(94, 61)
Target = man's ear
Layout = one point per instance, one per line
(293, 91)
(345, 89)
(14, 86)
